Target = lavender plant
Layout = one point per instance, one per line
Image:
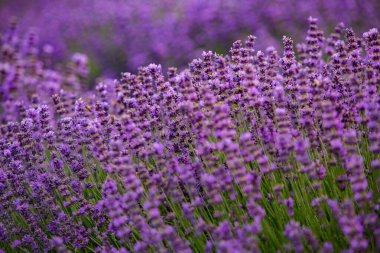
(254, 151)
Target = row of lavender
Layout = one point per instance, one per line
(253, 151)
(128, 34)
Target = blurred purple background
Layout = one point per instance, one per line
(122, 35)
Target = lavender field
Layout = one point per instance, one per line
(272, 145)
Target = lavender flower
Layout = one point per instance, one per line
(245, 152)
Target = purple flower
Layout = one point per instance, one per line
(16, 244)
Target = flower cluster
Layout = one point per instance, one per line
(246, 152)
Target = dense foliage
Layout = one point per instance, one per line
(246, 152)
